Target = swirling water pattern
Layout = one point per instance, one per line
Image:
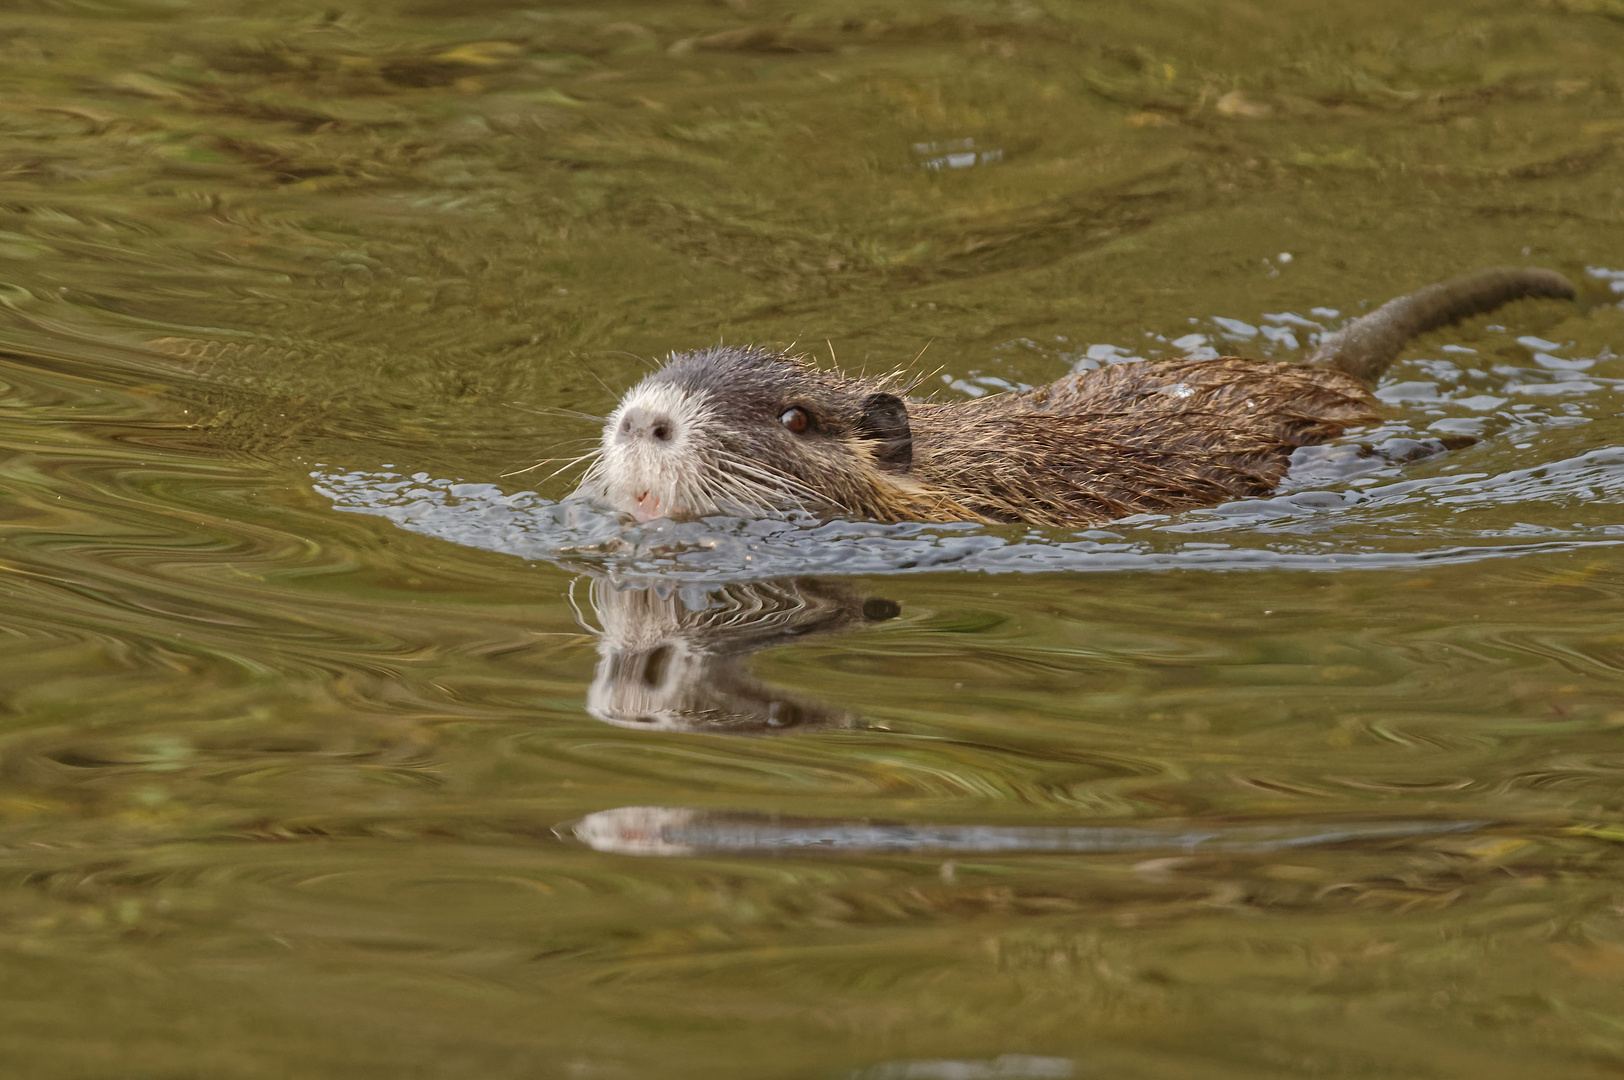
(327, 747)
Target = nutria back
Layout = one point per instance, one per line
(1132, 438)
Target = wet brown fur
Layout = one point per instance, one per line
(1131, 438)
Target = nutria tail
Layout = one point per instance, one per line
(1367, 345)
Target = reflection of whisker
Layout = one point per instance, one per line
(580, 616)
(754, 610)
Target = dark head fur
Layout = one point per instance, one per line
(747, 431)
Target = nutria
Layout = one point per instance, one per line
(746, 431)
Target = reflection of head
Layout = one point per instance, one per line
(671, 658)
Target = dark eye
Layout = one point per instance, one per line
(795, 419)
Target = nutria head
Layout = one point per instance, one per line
(748, 432)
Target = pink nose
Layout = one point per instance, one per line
(640, 424)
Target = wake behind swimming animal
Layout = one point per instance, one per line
(749, 432)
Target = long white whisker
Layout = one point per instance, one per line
(756, 470)
(751, 492)
(553, 410)
(568, 463)
(757, 498)
(718, 489)
(765, 479)
(742, 487)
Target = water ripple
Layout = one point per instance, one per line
(531, 527)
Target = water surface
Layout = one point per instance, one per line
(333, 745)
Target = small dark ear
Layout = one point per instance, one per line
(885, 420)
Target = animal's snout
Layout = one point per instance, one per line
(652, 425)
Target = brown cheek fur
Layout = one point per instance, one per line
(850, 478)
(843, 471)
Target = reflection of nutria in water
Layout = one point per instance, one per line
(744, 431)
(672, 659)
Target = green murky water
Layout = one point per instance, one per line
(329, 746)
